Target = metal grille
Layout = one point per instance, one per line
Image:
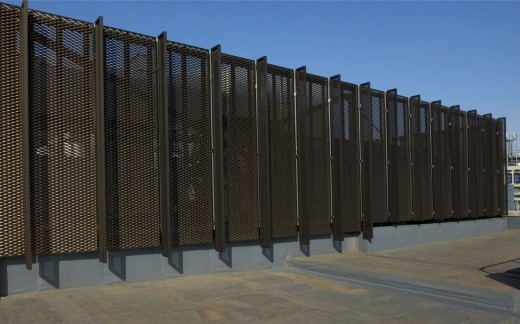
(62, 148)
(446, 202)
(11, 172)
(351, 157)
(378, 157)
(238, 105)
(318, 185)
(473, 133)
(280, 83)
(437, 146)
(458, 166)
(190, 144)
(131, 140)
(399, 157)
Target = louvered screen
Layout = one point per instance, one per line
(378, 158)
(437, 147)
(280, 100)
(190, 144)
(61, 93)
(11, 172)
(351, 158)
(489, 166)
(367, 192)
(131, 140)
(240, 167)
(501, 165)
(317, 122)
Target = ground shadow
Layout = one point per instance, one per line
(510, 277)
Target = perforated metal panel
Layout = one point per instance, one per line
(458, 167)
(280, 83)
(190, 144)
(473, 133)
(240, 168)
(437, 151)
(351, 158)
(318, 184)
(399, 157)
(446, 164)
(489, 166)
(378, 157)
(131, 140)
(11, 172)
(62, 148)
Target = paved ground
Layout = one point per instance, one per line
(467, 280)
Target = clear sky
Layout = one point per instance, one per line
(463, 53)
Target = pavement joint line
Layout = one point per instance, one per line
(471, 298)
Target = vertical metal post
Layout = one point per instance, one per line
(414, 103)
(264, 175)
(25, 134)
(303, 158)
(218, 149)
(164, 147)
(100, 139)
(336, 135)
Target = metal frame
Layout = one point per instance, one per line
(217, 149)
(263, 160)
(164, 145)
(100, 139)
(25, 133)
(336, 156)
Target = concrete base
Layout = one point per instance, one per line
(82, 270)
(513, 221)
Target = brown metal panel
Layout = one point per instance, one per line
(12, 199)
(318, 184)
(337, 136)
(100, 140)
(264, 186)
(366, 133)
(300, 86)
(351, 158)
(378, 157)
(63, 161)
(473, 132)
(282, 147)
(489, 166)
(131, 143)
(240, 150)
(189, 123)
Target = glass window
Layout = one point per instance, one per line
(517, 177)
(509, 178)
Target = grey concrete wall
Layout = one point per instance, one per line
(513, 222)
(83, 270)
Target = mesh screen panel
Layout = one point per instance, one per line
(11, 172)
(437, 161)
(190, 144)
(131, 140)
(378, 158)
(280, 102)
(399, 158)
(351, 156)
(489, 166)
(473, 132)
(62, 152)
(240, 168)
(446, 202)
(458, 167)
(368, 192)
(317, 122)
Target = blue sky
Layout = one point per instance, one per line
(463, 53)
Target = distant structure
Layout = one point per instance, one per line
(513, 169)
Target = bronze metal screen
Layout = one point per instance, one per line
(131, 140)
(62, 148)
(11, 166)
(280, 100)
(190, 144)
(240, 166)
